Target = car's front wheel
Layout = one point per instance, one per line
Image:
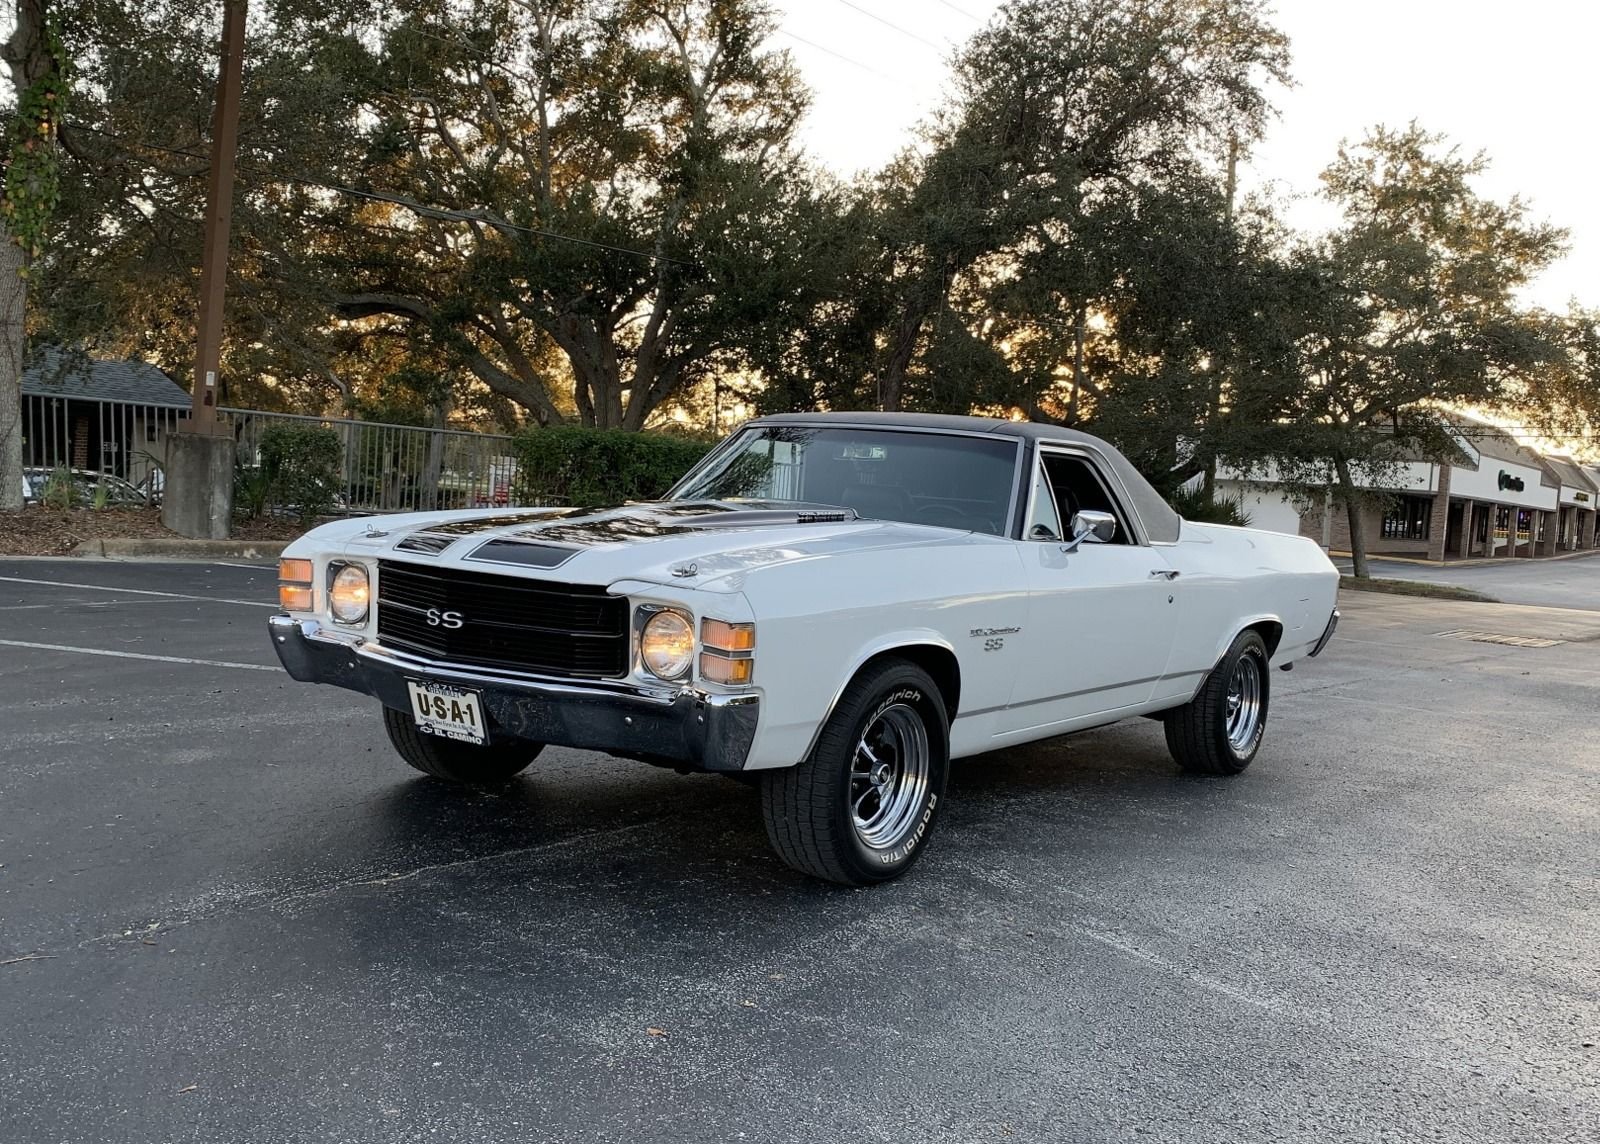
(469, 763)
(861, 807)
(1220, 730)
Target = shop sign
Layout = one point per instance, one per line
(1507, 481)
(1581, 496)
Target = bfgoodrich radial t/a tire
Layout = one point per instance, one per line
(1219, 732)
(862, 807)
(468, 763)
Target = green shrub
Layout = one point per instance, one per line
(1193, 504)
(301, 467)
(588, 467)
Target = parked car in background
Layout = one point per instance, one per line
(834, 604)
(80, 488)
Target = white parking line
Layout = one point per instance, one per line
(137, 592)
(97, 604)
(138, 655)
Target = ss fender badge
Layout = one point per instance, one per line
(993, 638)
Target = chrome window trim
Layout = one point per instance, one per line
(1012, 506)
(1117, 491)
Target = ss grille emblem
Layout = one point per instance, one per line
(438, 619)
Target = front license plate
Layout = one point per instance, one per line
(449, 712)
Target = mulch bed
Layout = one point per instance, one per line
(48, 532)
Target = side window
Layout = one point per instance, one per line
(1077, 486)
(1044, 522)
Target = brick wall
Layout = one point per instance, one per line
(80, 443)
(1439, 519)
(1372, 529)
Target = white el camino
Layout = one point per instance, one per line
(833, 605)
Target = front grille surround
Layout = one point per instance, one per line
(507, 622)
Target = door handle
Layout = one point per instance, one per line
(1164, 573)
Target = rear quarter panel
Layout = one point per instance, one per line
(1233, 578)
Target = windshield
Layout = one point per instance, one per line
(949, 480)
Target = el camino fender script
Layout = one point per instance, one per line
(993, 638)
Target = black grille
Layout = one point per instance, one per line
(532, 625)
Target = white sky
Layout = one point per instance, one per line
(1519, 80)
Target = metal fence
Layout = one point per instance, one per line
(384, 468)
(87, 435)
(399, 468)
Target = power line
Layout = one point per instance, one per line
(891, 24)
(837, 55)
(425, 210)
(960, 11)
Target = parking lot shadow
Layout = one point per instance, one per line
(708, 828)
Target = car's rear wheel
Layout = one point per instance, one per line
(1220, 730)
(861, 807)
(469, 763)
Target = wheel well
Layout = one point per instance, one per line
(1271, 632)
(939, 662)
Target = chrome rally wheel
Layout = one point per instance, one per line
(1244, 703)
(889, 776)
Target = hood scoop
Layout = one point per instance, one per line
(427, 543)
(523, 553)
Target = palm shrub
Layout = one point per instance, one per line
(1193, 504)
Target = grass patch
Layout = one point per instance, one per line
(1415, 588)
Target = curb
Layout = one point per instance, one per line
(177, 549)
(1474, 561)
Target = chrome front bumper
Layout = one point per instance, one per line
(666, 724)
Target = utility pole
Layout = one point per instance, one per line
(219, 216)
(198, 501)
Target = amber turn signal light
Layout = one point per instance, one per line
(294, 585)
(723, 636)
(720, 669)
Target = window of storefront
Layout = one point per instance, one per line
(1408, 518)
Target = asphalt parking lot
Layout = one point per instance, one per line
(1567, 582)
(228, 913)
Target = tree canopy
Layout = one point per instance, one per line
(528, 212)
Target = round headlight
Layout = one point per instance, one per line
(348, 594)
(667, 645)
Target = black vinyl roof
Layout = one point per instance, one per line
(1161, 523)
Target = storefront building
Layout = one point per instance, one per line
(1579, 493)
(1497, 498)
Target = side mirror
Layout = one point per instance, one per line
(1088, 524)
